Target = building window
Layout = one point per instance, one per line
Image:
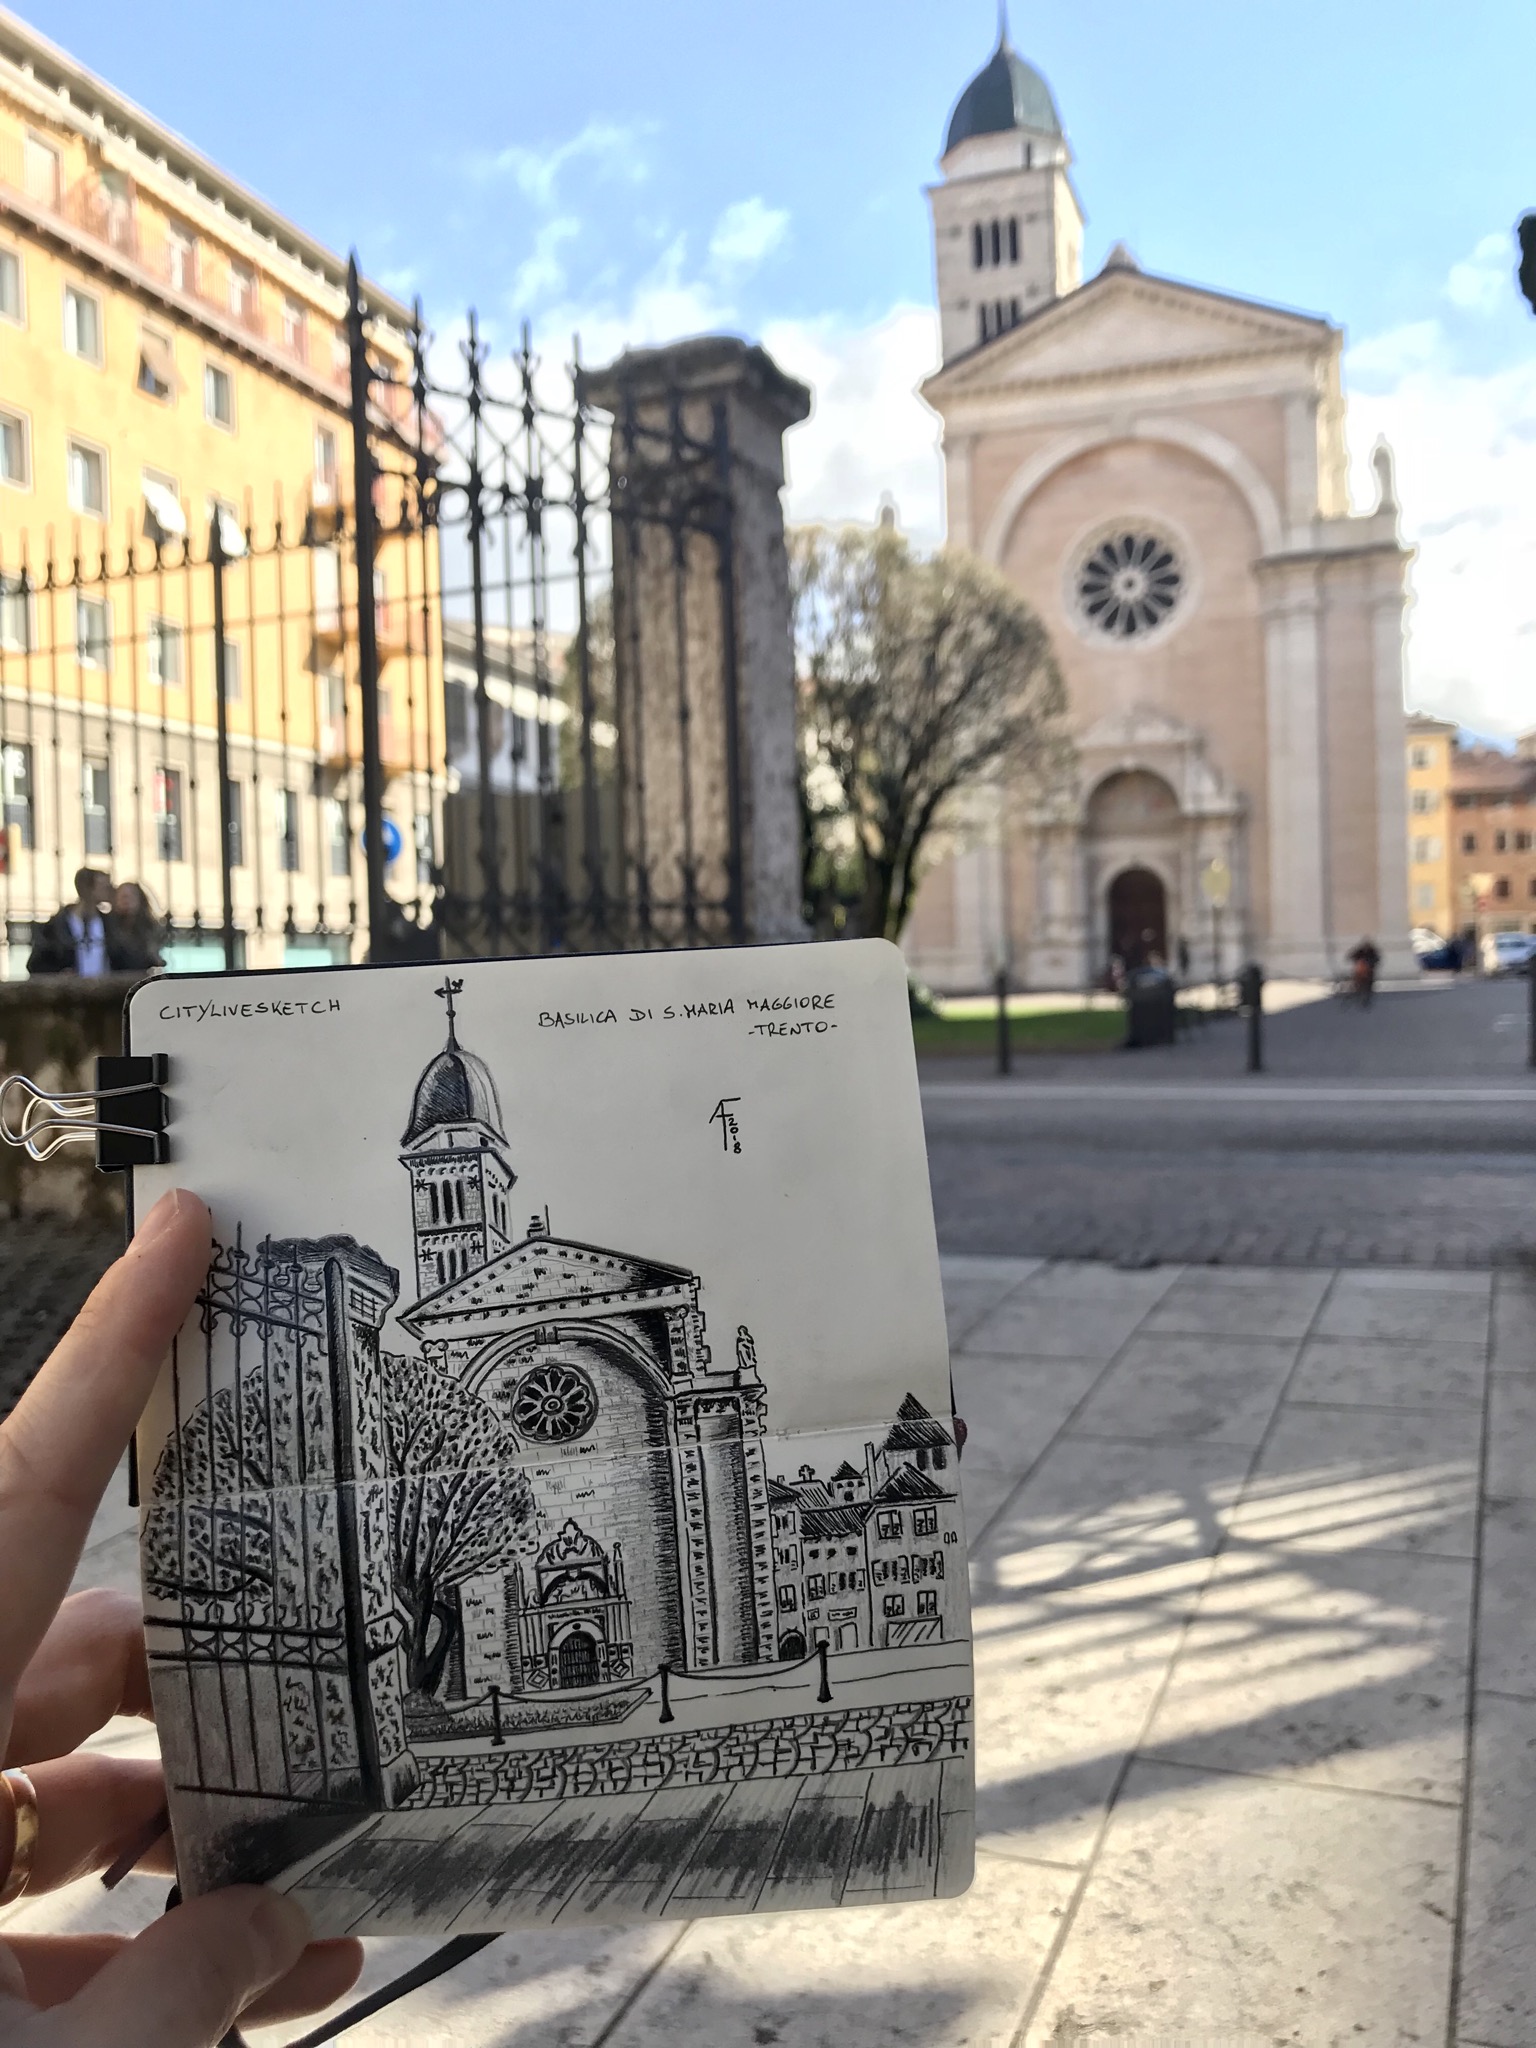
(236, 796)
(1533, 885)
(40, 170)
(1522, 842)
(218, 395)
(15, 450)
(82, 324)
(164, 518)
(925, 1521)
(164, 643)
(1421, 849)
(96, 797)
(180, 257)
(288, 831)
(928, 1601)
(893, 1604)
(1418, 757)
(888, 1524)
(87, 479)
(978, 253)
(1128, 584)
(295, 332)
(1422, 800)
(243, 300)
(93, 632)
(815, 1587)
(787, 1601)
(168, 813)
(337, 838)
(234, 685)
(325, 466)
(1501, 886)
(157, 364)
(1469, 842)
(12, 306)
(16, 635)
(997, 243)
(1424, 895)
(16, 784)
(1501, 842)
(1013, 239)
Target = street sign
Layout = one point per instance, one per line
(1216, 883)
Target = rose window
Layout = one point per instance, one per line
(1128, 584)
(553, 1403)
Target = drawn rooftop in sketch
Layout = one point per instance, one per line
(537, 1618)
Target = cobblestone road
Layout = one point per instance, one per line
(1401, 1136)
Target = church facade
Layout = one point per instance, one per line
(1160, 469)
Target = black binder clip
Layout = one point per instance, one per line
(131, 1133)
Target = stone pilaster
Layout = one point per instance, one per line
(702, 632)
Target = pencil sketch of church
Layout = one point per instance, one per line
(386, 1579)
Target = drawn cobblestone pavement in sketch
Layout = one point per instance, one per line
(539, 1558)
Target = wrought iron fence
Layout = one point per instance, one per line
(478, 697)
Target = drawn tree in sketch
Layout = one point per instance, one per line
(219, 1463)
(460, 1505)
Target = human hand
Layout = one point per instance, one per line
(68, 1665)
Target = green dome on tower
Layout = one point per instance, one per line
(1006, 94)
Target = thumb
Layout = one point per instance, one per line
(184, 1981)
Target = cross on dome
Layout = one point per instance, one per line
(448, 991)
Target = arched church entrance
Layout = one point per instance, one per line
(1138, 917)
(578, 1660)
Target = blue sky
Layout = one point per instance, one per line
(645, 170)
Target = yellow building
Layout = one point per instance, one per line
(1431, 745)
(174, 352)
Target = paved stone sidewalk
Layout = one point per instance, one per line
(1246, 1544)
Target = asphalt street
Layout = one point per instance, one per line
(1402, 1135)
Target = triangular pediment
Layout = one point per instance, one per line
(545, 1275)
(1141, 725)
(1125, 320)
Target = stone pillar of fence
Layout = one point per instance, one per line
(703, 651)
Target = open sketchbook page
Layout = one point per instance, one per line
(552, 1509)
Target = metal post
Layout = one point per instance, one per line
(664, 1673)
(1251, 990)
(216, 562)
(824, 1694)
(1004, 1034)
(725, 540)
(365, 548)
(1530, 984)
(498, 1740)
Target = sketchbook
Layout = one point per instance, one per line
(551, 1511)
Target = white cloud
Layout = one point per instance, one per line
(1466, 462)
(746, 233)
(542, 273)
(869, 432)
(1483, 281)
(614, 147)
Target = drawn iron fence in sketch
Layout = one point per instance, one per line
(480, 692)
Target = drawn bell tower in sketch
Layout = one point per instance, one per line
(455, 1152)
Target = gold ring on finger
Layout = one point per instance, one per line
(23, 1798)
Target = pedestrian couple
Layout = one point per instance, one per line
(104, 931)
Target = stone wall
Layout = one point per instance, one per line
(792, 1746)
(52, 1029)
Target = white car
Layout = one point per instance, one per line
(1508, 952)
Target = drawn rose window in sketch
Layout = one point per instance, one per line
(553, 1404)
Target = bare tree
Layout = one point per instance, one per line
(919, 679)
(460, 1505)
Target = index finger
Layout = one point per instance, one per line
(61, 1443)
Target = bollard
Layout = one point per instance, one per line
(824, 1692)
(664, 1673)
(498, 1740)
(1004, 1033)
(1251, 999)
(1530, 982)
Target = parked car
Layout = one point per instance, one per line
(1508, 952)
(1434, 954)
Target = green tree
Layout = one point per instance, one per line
(920, 678)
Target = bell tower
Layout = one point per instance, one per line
(1007, 225)
(455, 1152)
